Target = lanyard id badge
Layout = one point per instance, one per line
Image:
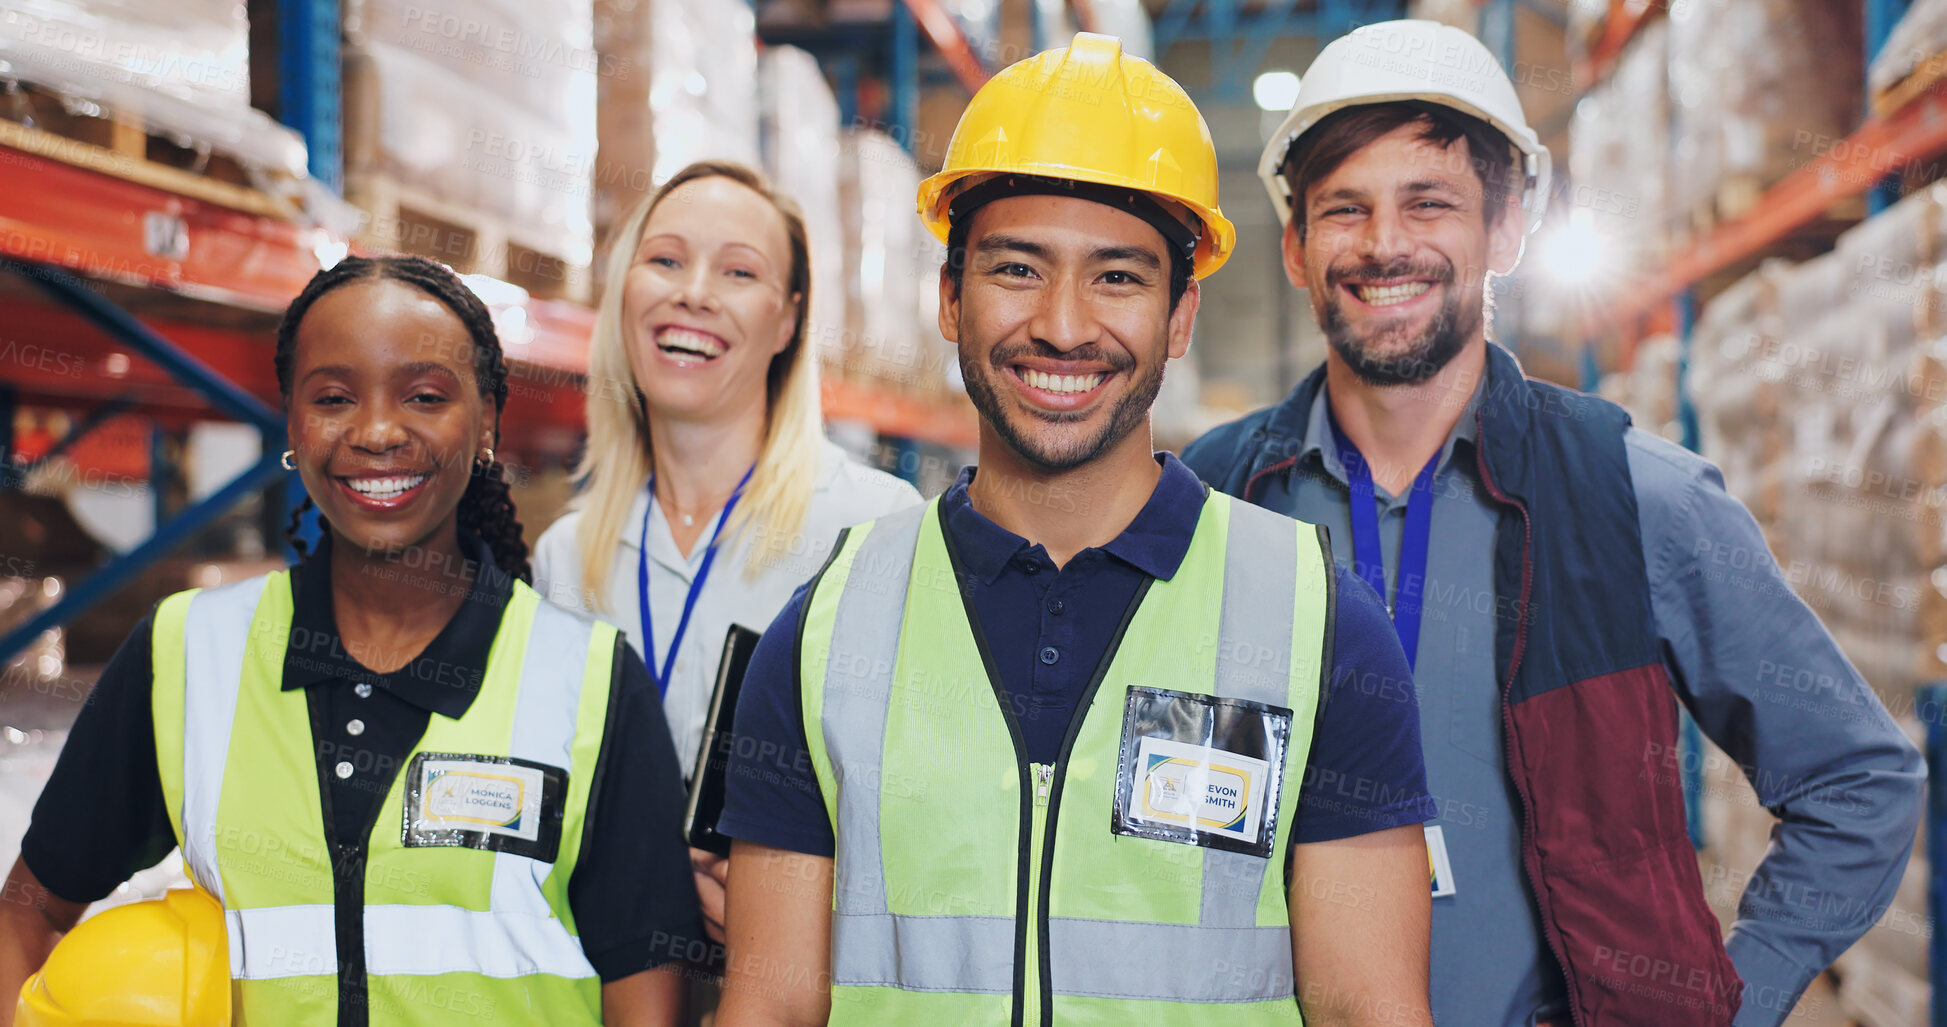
(696, 584)
(1201, 770)
(1369, 562)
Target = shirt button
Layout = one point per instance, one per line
(363, 689)
(1056, 606)
(355, 727)
(1049, 654)
(343, 769)
(1030, 566)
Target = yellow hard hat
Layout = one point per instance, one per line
(1087, 113)
(160, 963)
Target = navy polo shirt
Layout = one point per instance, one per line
(102, 816)
(1047, 629)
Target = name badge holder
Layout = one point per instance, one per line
(1201, 770)
(494, 803)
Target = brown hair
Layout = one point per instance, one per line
(1333, 141)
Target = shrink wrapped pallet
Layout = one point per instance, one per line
(1619, 156)
(892, 270)
(685, 89)
(801, 154)
(1755, 85)
(470, 133)
(1648, 390)
(1917, 45)
(1822, 391)
(178, 67)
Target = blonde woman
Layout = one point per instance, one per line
(711, 492)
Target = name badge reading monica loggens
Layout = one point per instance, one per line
(484, 802)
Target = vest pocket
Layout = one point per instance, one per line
(1200, 770)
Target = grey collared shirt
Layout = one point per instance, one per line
(1846, 787)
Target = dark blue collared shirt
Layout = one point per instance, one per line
(1047, 629)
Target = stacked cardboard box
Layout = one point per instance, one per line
(1917, 45)
(470, 134)
(174, 68)
(892, 271)
(801, 152)
(1648, 390)
(679, 84)
(1822, 392)
(1619, 156)
(1755, 84)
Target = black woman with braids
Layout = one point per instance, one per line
(419, 793)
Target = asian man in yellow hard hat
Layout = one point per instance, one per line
(1079, 741)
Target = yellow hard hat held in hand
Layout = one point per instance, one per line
(1090, 114)
(160, 963)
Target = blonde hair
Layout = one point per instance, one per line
(618, 460)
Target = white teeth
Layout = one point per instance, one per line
(682, 340)
(386, 488)
(1386, 296)
(1060, 383)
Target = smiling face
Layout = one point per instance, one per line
(1396, 256)
(385, 413)
(707, 303)
(1064, 325)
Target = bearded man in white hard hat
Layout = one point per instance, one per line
(1560, 580)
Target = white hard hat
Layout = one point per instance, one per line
(1390, 61)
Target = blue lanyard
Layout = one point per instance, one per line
(1369, 561)
(696, 584)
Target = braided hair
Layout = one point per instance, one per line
(487, 508)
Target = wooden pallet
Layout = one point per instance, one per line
(1927, 74)
(41, 122)
(406, 218)
(1740, 196)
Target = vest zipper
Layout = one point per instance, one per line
(1033, 991)
(1044, 783)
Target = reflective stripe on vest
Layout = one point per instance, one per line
(449, 931)
(924, 913)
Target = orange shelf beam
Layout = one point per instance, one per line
(945, 33)
(1626, 18)
(102, 226)
(901, 414)
(105, 227)
(1883, 145)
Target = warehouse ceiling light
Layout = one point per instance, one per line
(1573, 253)
(1275, 91)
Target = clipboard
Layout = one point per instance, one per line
(713, 755)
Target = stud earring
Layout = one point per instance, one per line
(490, 455)
(287, 461)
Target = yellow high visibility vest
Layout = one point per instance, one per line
(455, 929)
(1140, 878)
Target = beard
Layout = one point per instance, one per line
(1050, 448)
(1396, 355)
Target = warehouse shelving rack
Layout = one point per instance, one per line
(97, 268)
(1868, 162)
(189, 276)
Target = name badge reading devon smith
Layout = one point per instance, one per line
(1201, 770)
(495, 803)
